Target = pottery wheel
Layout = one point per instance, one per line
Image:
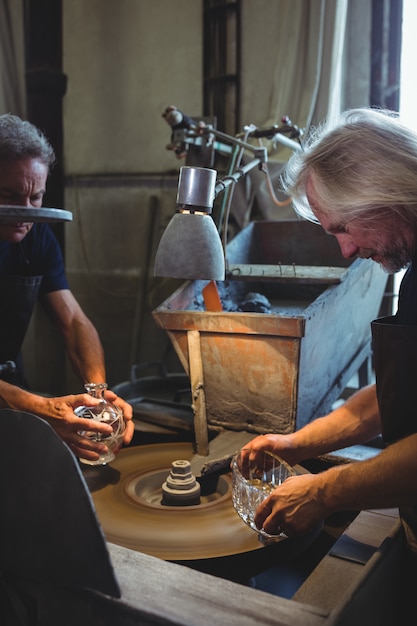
(127, 498)
(11, 214)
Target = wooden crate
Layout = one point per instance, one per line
(275, 371)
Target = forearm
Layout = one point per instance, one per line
(85, 352)
(49, 408)
(82, 342)
(13, 397)
(356, 421)
(387, 480)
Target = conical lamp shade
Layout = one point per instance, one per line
(190, 248)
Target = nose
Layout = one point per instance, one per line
(347, 246)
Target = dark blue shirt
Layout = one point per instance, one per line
(39, 254)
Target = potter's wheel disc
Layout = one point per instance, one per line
(211, 529)
(11, 214)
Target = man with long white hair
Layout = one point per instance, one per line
(358, 179)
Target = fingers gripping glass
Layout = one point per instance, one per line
(103, 412)
(251, 489)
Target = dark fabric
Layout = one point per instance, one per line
(49, 531)
(27, 269)
(394, 343)
(39, 254)
(407, 301)
(18, 299)
(395, 360)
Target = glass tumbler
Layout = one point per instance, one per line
(248, 492)
(104, 412)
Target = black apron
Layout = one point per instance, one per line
(18, 299)
(395, 362)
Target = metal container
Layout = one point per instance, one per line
(276, 370)
(161, 400)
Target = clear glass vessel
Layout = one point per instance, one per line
(248, 492)
(103, 412)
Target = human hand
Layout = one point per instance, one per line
(252, 453)
(127, 413)
(296, 507)
(59, 413)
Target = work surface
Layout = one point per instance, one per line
(347, 587)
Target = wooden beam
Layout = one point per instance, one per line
(198, 392)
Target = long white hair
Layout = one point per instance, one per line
(364, 163)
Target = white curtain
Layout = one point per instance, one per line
(303, 74)
(309, 60)
(12, 58)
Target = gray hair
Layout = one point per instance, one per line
(20, 140)
(364, 164)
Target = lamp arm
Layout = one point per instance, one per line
(232, 179)
(228, 180)
(227, 138)
(275, 134)
(286, 141)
